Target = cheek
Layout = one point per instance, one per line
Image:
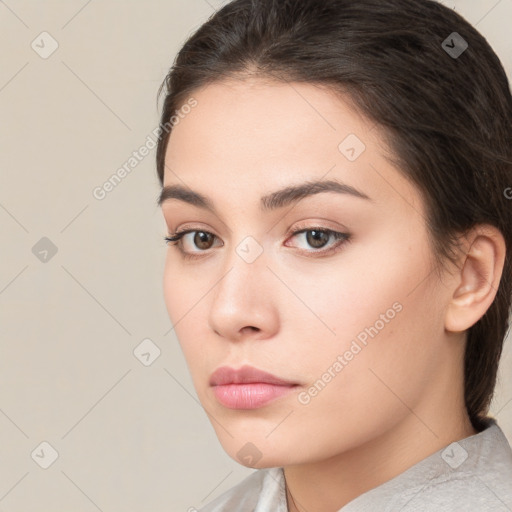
(184, 290)
(182, 297)
(384, 345)
(373, 386)
(340, 299)
(174, 291)
(369, 305)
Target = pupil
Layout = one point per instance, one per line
(201, 237)
(318, 239)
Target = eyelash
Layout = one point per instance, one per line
(342, 238)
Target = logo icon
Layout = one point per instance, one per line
(351, 147)
(44, 250)
(454, 455)
(146, 352)
(44, 45)
(454, 45)
(249, 249)
(249, 454)
(44, 455)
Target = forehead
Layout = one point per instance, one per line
(244, 117)
(252, 136)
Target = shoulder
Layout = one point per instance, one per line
(460, 493)
(478, 476)
(474, 474)
(260, 491)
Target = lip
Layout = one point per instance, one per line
(247, 387)
(245, 375)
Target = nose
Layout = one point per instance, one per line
(243, 303)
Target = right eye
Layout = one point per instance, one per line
(201, 239)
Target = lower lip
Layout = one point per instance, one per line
(249, 396)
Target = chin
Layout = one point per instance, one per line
(254, 451)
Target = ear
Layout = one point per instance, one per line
(477, 281)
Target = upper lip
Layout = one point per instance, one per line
(244, 375)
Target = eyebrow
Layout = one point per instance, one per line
(273, 201)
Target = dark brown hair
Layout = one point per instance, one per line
(447, 117)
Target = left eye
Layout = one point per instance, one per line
(318, 238)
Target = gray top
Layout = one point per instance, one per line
(473, 474)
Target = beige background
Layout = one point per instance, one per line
(128, 436)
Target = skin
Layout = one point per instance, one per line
(289, 313)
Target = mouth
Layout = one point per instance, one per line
(248, 387)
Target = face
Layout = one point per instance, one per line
(331, 291)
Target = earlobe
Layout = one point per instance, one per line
(478, 279)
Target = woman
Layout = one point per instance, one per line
(339, 271)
